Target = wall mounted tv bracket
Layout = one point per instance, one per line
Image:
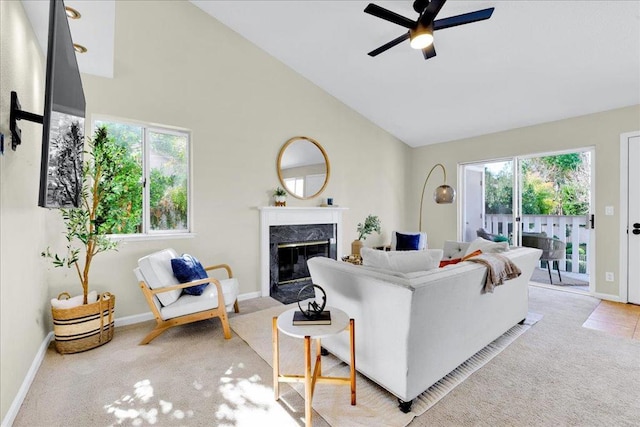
(17, 114)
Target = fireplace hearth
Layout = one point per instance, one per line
(290, 248)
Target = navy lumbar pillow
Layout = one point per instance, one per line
(407, 242)
(187, 269)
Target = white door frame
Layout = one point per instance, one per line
(624, 211)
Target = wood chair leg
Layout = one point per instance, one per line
(153, 335)
(225, 323)
(235, 307)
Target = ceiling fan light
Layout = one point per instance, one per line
(421, 41)
(421, 37)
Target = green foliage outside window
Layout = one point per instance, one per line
(168, 181)
(552, 185)
(168, 176)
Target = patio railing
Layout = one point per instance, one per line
(570, 229)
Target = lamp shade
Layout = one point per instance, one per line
(444, 194)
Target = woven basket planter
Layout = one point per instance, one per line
(84, 327)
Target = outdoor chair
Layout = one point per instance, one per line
(553, 250)
(481, 232)
(171, 306)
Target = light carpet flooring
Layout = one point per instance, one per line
(558, 373)
(375, 405)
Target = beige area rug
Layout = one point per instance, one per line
(375, 405)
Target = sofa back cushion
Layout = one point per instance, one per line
(401, 261)
(487, 246)
(454, 250)
(157, 273)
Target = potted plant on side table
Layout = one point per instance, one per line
(371, 224)
(109, 203)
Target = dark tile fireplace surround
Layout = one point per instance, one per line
(289, 248)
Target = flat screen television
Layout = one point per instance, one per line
(63, 118)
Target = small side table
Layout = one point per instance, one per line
(339, 322)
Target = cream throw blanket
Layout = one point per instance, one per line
(499, 269)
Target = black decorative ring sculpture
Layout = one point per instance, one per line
(313, 308)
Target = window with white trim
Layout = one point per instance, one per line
(161, 204)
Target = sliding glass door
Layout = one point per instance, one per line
(547, 200)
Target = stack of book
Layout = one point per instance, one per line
(299, 319)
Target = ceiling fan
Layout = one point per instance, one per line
(421, 30)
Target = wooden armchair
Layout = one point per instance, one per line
(171, 307)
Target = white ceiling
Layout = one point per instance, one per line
(95, 30)
(532, 62)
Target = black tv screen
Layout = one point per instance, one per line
(63, 118)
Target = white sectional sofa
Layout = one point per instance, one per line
(414, 328)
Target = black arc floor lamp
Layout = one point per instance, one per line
(443, 194)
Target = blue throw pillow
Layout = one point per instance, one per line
(407, 242)
(187, 269)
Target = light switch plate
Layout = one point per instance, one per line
(608, 210)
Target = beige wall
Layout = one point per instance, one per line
(23, 289)
(241, 106)
(601, 131)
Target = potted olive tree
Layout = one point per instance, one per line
(110, 202)
(371, 224)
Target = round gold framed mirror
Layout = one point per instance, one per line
(303, 167)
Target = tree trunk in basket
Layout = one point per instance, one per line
(356, 245)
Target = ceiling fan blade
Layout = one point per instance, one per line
(431, 11)
(389, 45)
(390, 16)
(465, 18)
(429, 51)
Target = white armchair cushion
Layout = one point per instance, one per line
(157, 272)
(422, 242)
(188, 304)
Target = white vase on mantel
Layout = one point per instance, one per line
(280, 200)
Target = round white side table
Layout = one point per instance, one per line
(339, 322)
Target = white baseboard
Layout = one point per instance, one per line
(250, 295)
(608, 297)
(8, 419)
(133, 319)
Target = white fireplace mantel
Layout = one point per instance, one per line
(272, 215)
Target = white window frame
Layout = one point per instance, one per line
(147, 233)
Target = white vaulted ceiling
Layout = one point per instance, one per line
(532, 62)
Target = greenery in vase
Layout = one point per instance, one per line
(279, 192)
(110, 188)
(371, 224)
